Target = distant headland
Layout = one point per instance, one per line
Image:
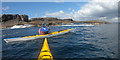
(8, 20)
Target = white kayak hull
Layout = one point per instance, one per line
(78, 25)
(35, 37)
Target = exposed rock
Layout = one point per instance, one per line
(12, 19)
(15, 19)
(24, 18)
(8, 17)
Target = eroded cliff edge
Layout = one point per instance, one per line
(8, 20)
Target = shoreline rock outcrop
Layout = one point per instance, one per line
(9, 20)
(8, 17)
(12, 19)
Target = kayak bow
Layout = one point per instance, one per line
(45, 53)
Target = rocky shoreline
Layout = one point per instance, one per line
(8, 20)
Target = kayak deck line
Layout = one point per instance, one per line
(33, 36)
(56, 33)
(45, 52)
(47, 34)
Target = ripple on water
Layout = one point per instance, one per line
(85, 42)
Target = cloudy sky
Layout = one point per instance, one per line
(83, 10)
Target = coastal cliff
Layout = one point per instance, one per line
(9, 20)
(12, 19)
(8, 17)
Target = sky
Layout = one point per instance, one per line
(78, 11)
(45, 0)
(38, 9)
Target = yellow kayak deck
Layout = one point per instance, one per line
(45, 53)
(48, 34)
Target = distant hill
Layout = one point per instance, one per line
(16, 19)
(92, 21)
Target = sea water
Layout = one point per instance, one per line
(99, 41)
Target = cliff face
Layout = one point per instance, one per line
(15, 19)
(8, 17)
(12, 19)
(8, 20)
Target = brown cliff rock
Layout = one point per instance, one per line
(8, 17)
(12, 19)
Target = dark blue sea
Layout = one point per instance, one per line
(85, 42)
